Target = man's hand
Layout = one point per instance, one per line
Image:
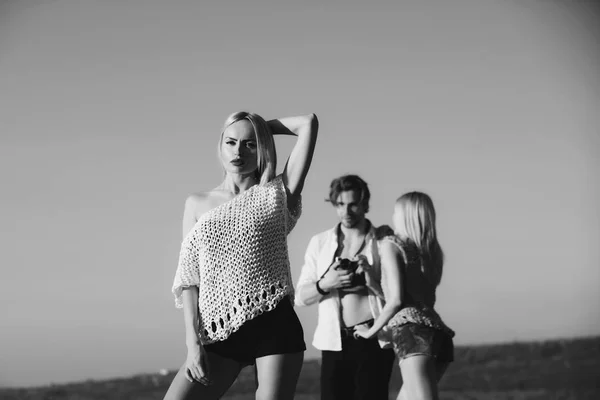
(336, 278)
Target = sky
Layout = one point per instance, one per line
(110, 113)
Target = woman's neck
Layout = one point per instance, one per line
(238, 183)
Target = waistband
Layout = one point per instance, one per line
(348, 332)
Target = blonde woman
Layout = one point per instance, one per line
(412, 262)
(233, 279)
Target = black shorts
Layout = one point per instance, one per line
(275, 332)
(413, 339)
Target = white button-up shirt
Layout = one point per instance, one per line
(318, 257)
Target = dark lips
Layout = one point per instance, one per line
(237, 162)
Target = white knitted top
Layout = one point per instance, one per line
(237, 255)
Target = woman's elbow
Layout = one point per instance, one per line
(313, 122)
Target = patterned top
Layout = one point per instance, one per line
(237, 255)
(414, 310)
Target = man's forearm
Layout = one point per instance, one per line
(308, 294)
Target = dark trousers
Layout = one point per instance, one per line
(361, 371)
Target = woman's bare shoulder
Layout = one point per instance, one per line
(200, 202)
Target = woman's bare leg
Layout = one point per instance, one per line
(278, 375)
(420, 376)
(223, 372)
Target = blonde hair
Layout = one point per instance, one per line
(265, 145)
(417, 224)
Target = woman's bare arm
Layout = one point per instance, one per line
(196, 362)
(305, 128)
(392, 262)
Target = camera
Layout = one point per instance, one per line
(349, 265)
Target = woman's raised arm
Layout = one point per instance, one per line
(305, 127)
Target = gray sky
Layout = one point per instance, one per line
(110, 113)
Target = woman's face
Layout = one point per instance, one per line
(239, 153)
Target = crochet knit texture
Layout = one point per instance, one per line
(414, 312)
(237, 255)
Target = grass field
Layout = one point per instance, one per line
(558, 369)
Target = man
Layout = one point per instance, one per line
(351, 368)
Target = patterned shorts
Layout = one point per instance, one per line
(413, 339)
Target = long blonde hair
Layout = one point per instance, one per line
(265, 145)
(414, 219)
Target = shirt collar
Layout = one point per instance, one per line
(370, 231)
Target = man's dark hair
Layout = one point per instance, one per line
(347, 183)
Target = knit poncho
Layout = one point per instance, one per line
(237, 255)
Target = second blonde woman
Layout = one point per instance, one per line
(412, 262)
